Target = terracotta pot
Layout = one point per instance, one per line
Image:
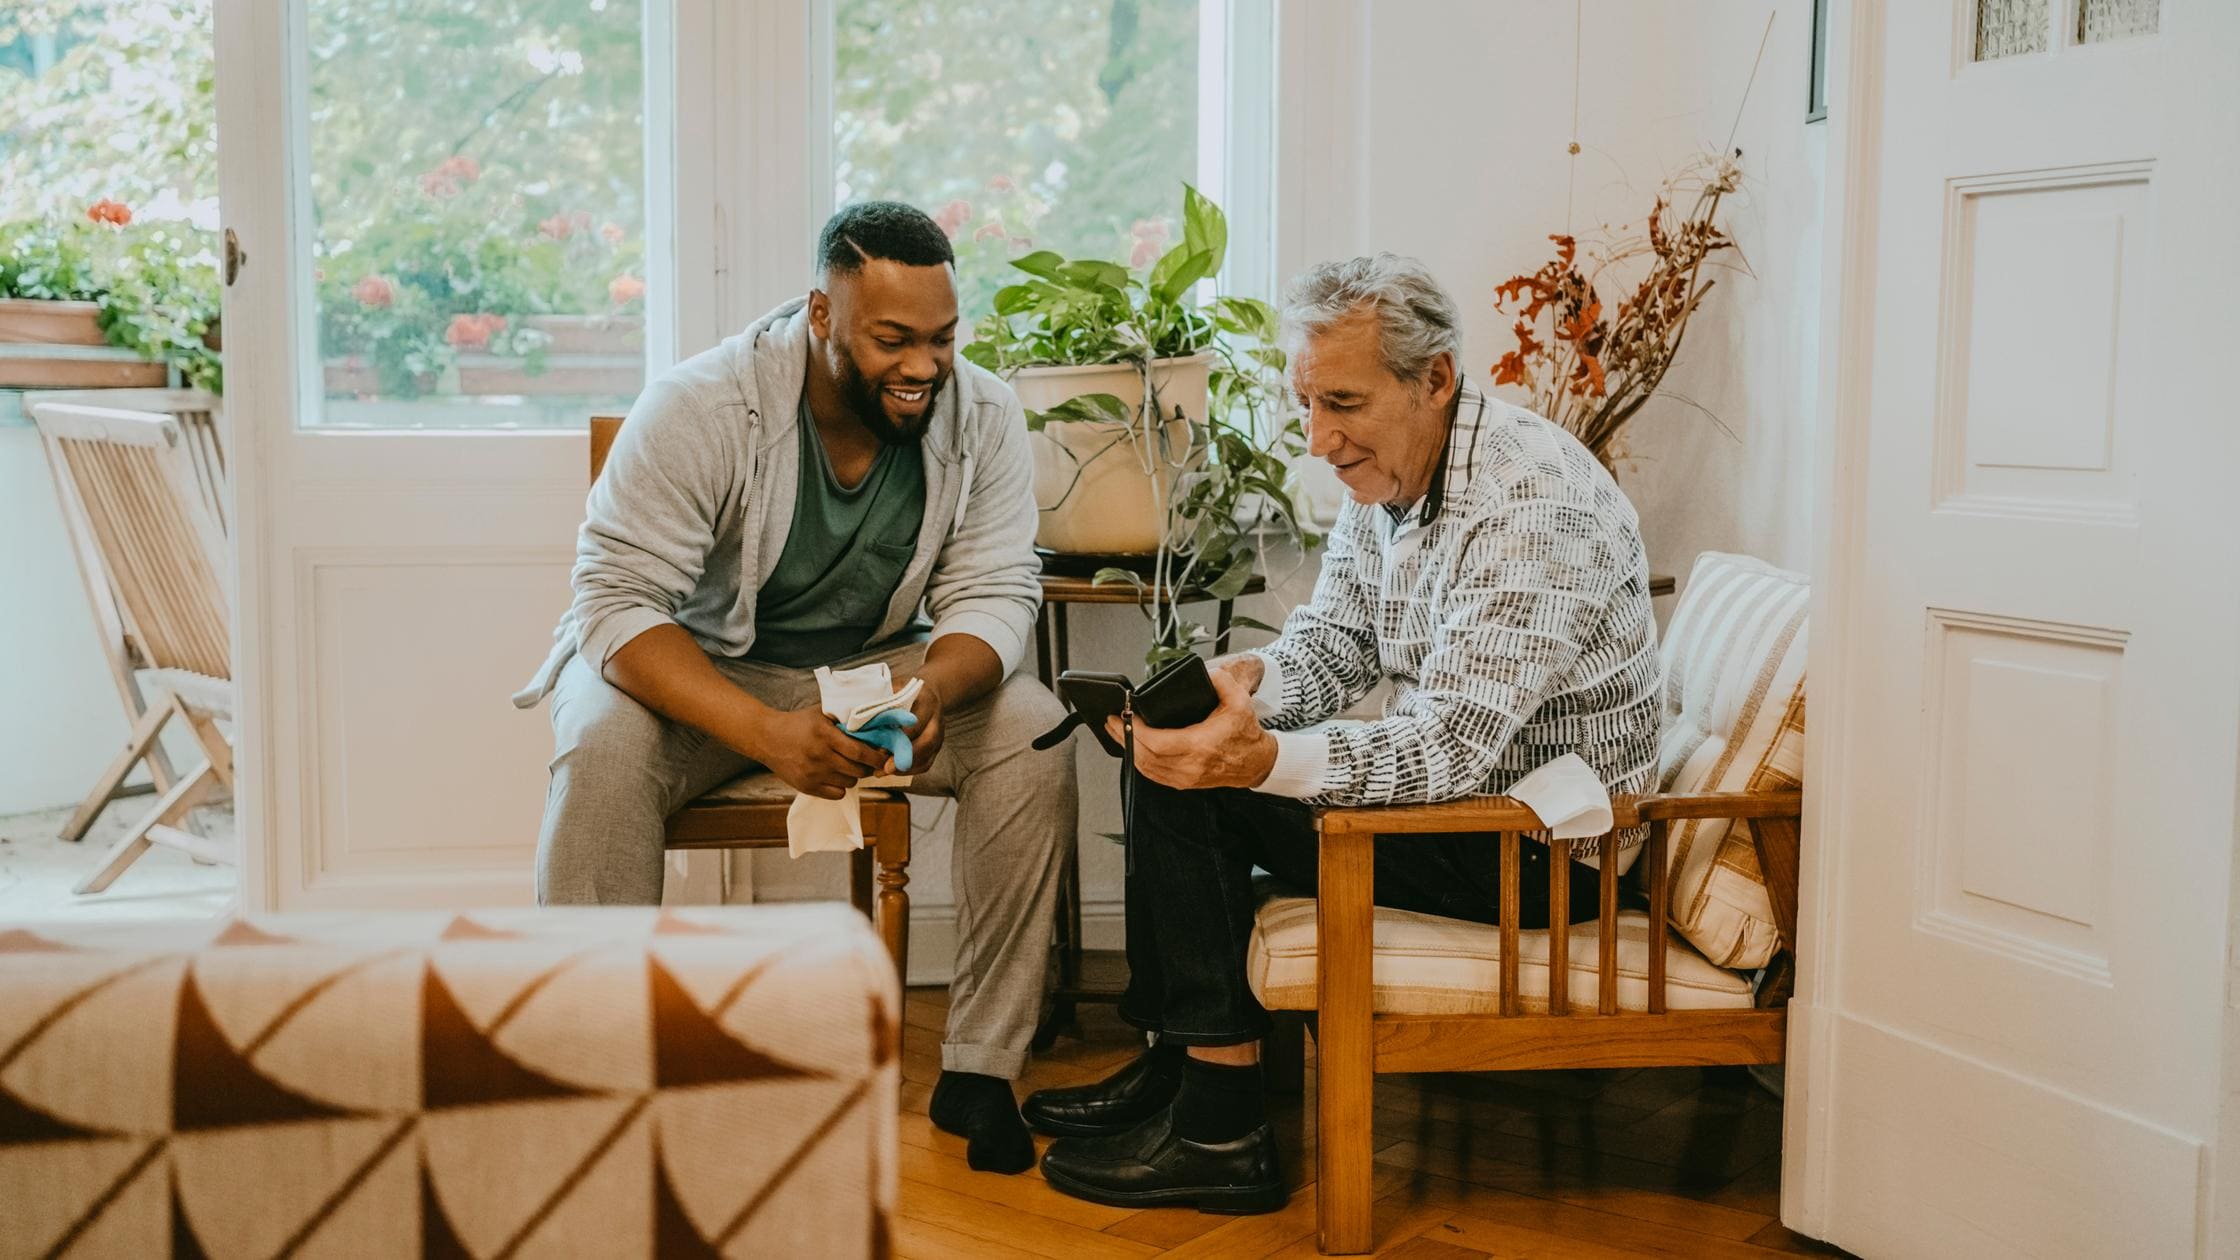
(563, 374)
(1099, 488)
(36, 322)
(620, 335)
(344, 379)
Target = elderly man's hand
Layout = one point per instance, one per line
(1226, 750)
(1246, 667)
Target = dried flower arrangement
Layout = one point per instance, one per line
(1588, 368)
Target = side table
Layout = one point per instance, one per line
(1053, 656)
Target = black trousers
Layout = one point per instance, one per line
(1190, 899)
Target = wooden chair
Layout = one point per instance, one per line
(1353, 1043)
(1398, 992)
(749, 812)
(197, 416)
(131, 493)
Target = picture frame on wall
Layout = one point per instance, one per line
(1816, 91)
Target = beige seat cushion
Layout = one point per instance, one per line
(1734, 661)
(1428, 965)
(760, 787)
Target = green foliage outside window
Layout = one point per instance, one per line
(1020, 125)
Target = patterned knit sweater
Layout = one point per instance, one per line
(1514, 625)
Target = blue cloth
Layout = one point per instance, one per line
(888, 730)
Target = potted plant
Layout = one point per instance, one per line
(150, 289)
(1157, 422)
(1589, 366)
(463, 291)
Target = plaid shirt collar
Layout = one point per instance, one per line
(1457, 466)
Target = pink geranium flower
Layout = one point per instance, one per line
(114, 213)
(951, 218)
(1144, 254)
(437, 186)
(555, 228)
(473, 332)
(992, 230)
(1001, 183)
(460, 167)
(611, 233)
(625, 289)
(374, 291)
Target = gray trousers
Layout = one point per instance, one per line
(619, 770)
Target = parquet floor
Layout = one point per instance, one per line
(1659, 1162)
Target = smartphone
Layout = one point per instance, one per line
(1180, 694)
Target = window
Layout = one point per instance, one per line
(468, 270)
(1068, 125)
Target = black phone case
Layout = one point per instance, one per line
(1180, 694)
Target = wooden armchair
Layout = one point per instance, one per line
(749, 812)
(1701, 979)
(1552, 1029)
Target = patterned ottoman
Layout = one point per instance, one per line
(716, 1082)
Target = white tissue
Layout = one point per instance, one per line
(1568, 796)
(850, 697)
(1570, 799)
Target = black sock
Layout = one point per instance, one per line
(981, 1110)
(1219, 1103)
(1166, 1056)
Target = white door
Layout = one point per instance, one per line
(460, 231)
(2025, 694)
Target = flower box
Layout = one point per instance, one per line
(59, 345)
(585, 354)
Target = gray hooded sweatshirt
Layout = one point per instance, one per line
(691, 513)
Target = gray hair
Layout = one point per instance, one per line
(1416, 320)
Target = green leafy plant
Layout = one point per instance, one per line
(404, 300)
(1224, 490)
(156, 283)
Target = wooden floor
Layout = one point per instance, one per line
(1661, 1162)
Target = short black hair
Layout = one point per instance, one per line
(892, 230)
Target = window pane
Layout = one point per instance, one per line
(472, 270)
(2099, 20)
(1020, 124)
(2009, 28)
(109, 190)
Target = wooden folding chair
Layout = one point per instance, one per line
(749, 812)
(131, 491)
(197, 415)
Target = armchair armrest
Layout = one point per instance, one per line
(1347, 832)
(1501, 813)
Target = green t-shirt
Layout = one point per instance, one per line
(843, 557)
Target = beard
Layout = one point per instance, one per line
(869, 404)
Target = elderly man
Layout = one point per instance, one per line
(1489, 568)
(790, 499)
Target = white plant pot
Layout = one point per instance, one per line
(1100, 491)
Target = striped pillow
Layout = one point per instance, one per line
(1733, 721)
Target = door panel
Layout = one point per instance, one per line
(438, 295)
(2029, 817)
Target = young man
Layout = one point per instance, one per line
(791, 499)
(1491, 569)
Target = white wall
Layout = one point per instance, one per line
(59, 718)
(1465, 112)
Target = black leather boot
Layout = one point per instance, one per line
(1115, 1104)
(1152, 1166)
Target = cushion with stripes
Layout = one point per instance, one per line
(1734, 660)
